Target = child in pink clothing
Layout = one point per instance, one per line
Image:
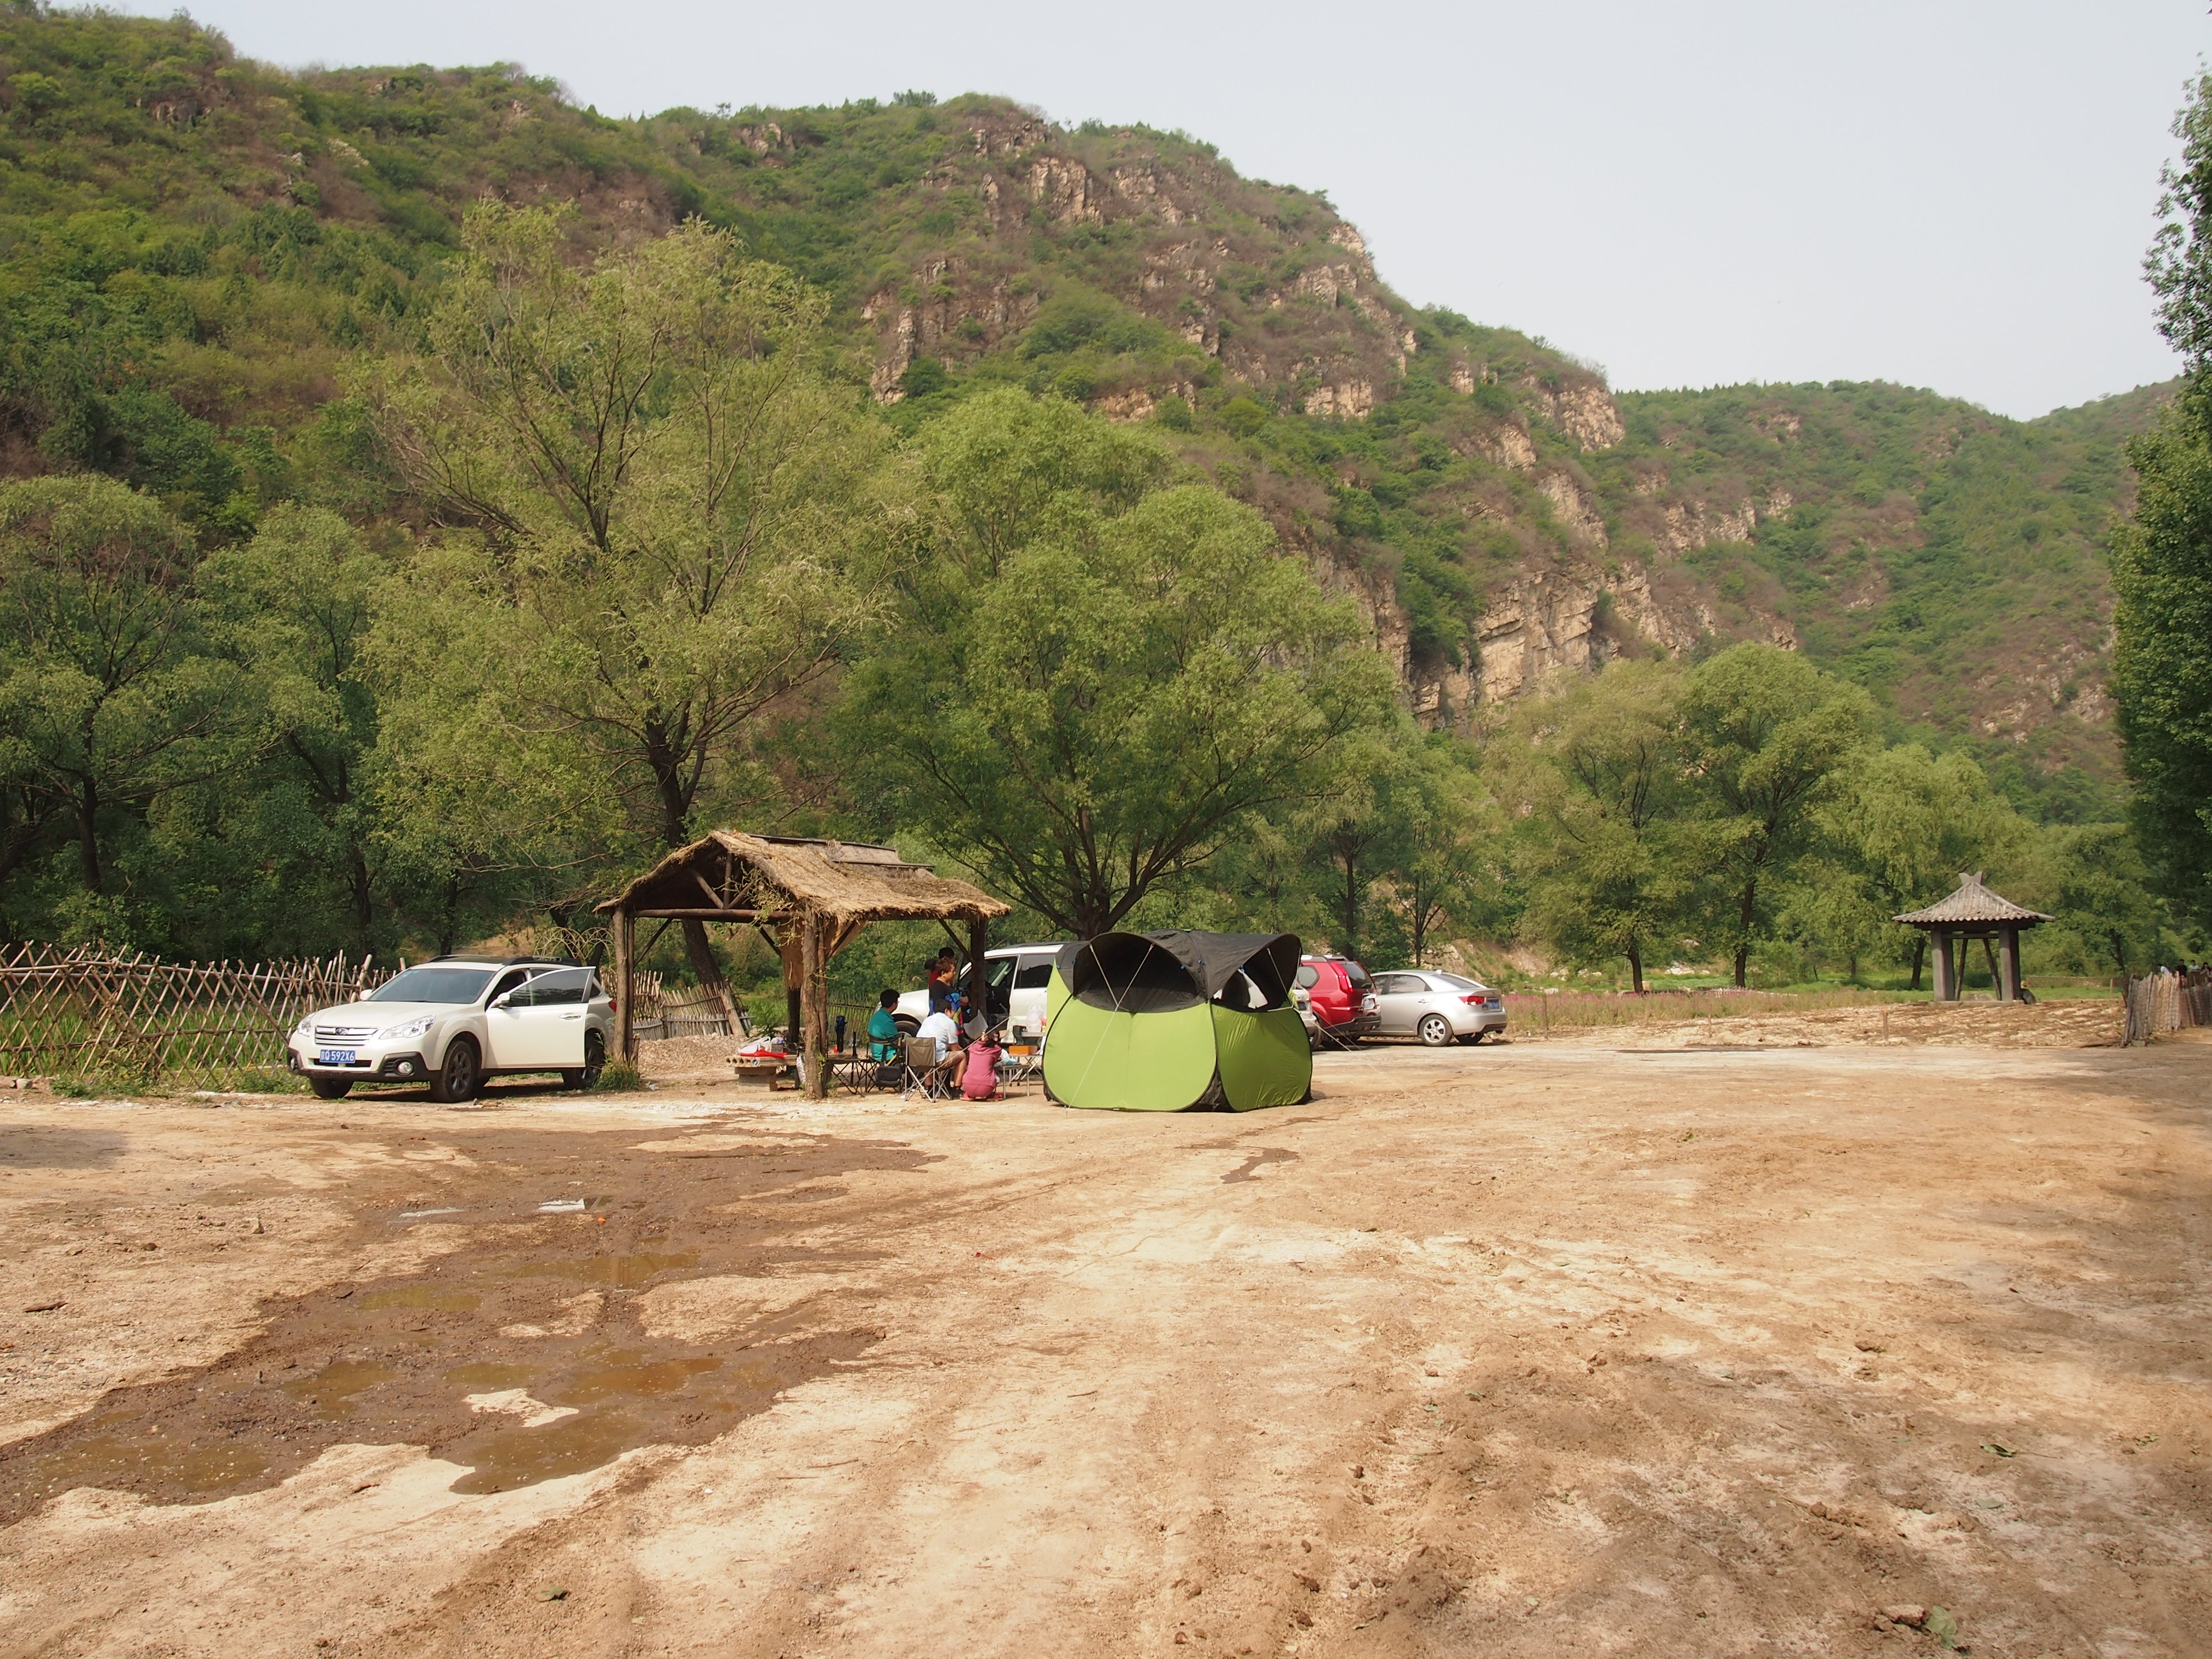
(980, 1081)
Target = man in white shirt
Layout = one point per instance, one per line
(943, 1029)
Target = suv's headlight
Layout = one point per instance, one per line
(411, 1030)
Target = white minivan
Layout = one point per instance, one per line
(1017, 975)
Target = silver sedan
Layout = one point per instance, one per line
(1437, 1008)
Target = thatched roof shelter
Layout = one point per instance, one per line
(1974, 912)
(812, 895)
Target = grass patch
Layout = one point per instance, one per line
(619, 1077)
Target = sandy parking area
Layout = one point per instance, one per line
(1510, 1350)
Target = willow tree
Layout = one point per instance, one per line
(665, 518)
(112, 692)
(1099, 677)
(1769, 732)
(1595, 777)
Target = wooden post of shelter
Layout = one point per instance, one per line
(813, 896)
(979, 971)
(1975, 913)
(624, 935)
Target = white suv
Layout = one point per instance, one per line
(1017, 975)
(456, 1020)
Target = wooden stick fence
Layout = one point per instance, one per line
(2165, 1001)
(85, 1012)
(664, 1011)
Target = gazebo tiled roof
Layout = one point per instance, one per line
(1973, 905)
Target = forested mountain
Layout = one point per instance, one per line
(198, 256)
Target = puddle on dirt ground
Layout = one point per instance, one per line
(1252, 1165)
(494, 1358)
(330, 1389)
(622, 1272)
(421, 1296)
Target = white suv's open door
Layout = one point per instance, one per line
(542, 1025)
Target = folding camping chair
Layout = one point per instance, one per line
(922, 1069)
(1022, 1065)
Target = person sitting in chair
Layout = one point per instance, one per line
(883, 1029)
(943, 1029)
(883, 1026)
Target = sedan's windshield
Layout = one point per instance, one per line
(434, 985)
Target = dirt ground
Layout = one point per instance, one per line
(1644, 1343)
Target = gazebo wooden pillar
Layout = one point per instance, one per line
(809, 895)
(1974, 912)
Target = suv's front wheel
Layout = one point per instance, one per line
(595, 1061)
(458, 1078)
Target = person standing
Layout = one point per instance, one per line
(941, 975)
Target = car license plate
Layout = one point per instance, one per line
(335, 1057)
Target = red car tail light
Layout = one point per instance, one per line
(1475, 997)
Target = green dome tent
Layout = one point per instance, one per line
(1176, 1021)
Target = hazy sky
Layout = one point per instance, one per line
(1952, 194)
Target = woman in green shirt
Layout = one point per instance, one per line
(883, 1029)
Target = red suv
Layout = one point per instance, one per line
(1343, 998)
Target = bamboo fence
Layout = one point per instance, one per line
(85, 1012)
(2167, 1000)
(664, 1011)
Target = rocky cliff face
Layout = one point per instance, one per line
(1272, 285)
(1498, 513)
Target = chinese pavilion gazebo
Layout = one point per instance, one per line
(1974, 912)
(811, 896)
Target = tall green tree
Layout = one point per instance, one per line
(1593, 778)
(1767, 731)
(1098, 677)
(112, 692)
(2161, 558)
(1440, 857)
(295, 604)
(2101, 895)
(1895, 828)
(672, 523)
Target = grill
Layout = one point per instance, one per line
(344, 1033)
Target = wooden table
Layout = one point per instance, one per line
(774, 1068)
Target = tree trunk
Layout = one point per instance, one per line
(1350, 946)
(2119, 950)
(1919, 958)
(87, 836)
(1636, 966)
(979, 973)
(1744, 913)
(700, 952)
(363, 894)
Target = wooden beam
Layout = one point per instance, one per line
(979, 973)
(624, 940)
(699, 915)
(814, 1003)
